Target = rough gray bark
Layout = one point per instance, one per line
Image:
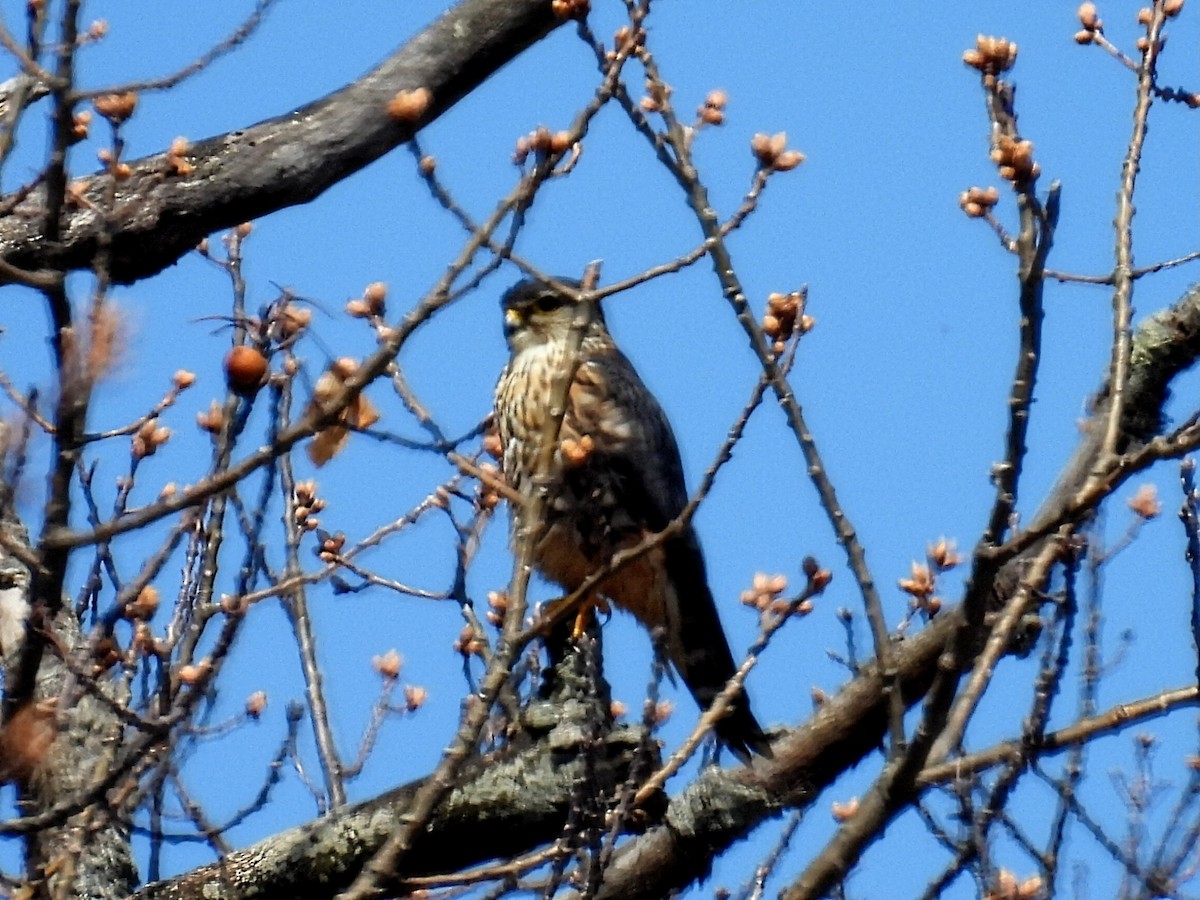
(501, 811)
(506, 804)
(86, 854)
(158, 216)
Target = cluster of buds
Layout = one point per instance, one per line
(944, 555)
(308, 504)
(407, 107)
(1145, 16)
(818, 578)
(414, 697)
(191, 674)
(497, 607)
(661, 712)
(245, 369)
(177, 157)
(468, 643)
(977, 202)
(489, 497)
(143, 606)
(991, 55)
(542, 143)
(95, 32)
(626, 40)
(117, 169)
(117, 108)
(1008, 888)
(764, 590)
(183, 379)
(289, 319)
(81, 123)
(844, 812)
(372, 302)
(1145, 502)
(331, 547)
(493, 446)
(921, 584)
(772, 153)
(713, 110)
(1014, 160)
(1089, 18)
(570, 9)
(213, 419)
(388, 664)
(784, 317)
(765, 595)
(427, 165)
(658, 96)
(577, 451)
(256, 705)
(617, 709)
(148, 438)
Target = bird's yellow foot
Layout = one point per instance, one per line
(557, 610)
(585, 612)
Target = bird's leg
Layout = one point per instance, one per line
(561, 623)
(586, 611)
(557, 611)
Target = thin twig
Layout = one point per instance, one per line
(1123, 226)
(235, 39)
(295, 605)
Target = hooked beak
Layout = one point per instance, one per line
(513, 320)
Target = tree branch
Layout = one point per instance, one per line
(291, 159)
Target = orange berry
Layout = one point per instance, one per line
(245, 369)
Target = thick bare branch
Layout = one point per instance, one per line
(501, 807)
(291, 159)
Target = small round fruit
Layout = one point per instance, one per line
(245, 369)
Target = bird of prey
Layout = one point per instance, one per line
(615, 478)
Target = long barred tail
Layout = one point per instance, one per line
(702, 653)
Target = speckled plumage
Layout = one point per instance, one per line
(616, 478)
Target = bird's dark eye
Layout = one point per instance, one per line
(547, 303)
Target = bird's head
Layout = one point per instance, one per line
(536, 313)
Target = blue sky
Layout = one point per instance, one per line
(904, 379)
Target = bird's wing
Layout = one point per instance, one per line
(634, 440)
(631, 433)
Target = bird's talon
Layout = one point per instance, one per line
(586, 610)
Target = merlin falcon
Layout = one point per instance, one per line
(615, 479)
